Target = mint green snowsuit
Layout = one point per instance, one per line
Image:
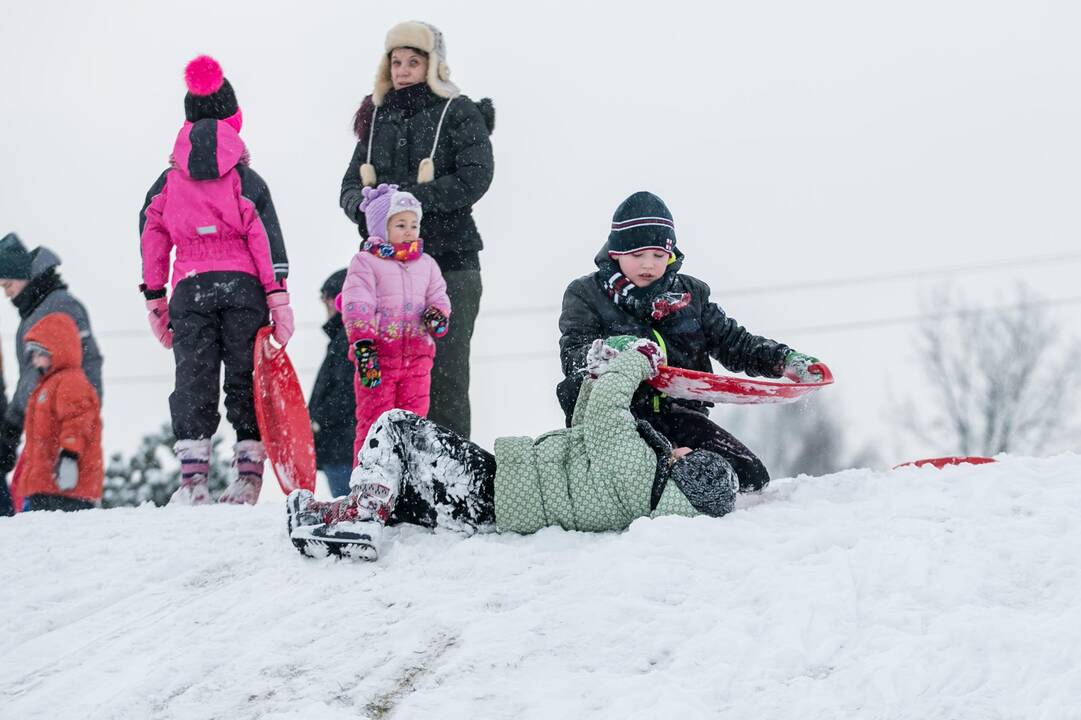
(595, 475)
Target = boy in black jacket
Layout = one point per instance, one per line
(638, 290)
(333, 405)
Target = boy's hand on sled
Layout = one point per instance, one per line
(797, 367)
(281, 316)
(436, 321)
(66, 472)
(367, 358)
(158, 316)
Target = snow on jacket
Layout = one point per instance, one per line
(63, 413)
(43, 295)
(214, 209)
(404, 134)
(689, 336)
(596, 475)
(383, 300)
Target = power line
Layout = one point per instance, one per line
(548, 355)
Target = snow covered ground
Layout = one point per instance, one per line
(914, 593)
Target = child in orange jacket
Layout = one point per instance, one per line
(61, 463)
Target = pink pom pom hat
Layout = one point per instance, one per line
(210, 96)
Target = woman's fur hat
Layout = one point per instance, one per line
(420, 36)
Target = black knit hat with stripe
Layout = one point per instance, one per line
(641, 221)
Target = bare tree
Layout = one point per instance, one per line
(1002, 379)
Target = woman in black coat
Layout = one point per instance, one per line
(418, 131)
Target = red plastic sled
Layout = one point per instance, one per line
(282, 415)
(944, 461)
(696, 385)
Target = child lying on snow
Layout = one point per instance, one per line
(600, 474)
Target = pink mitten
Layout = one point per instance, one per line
(158, 315)
(281, 316)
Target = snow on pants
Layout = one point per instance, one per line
(440, 478)
(405, 387)
(450, 375)
(687, 428)
(215, 317)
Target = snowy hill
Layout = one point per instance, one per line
(904, 594)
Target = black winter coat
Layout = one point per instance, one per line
(689, 336)
(404, 128)
(333, 403)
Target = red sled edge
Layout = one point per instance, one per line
(942, 462)
(698, 385)
(282, 416)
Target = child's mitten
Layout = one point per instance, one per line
(66, 473)
(653, 353)
(158, 315)
(436, 321)
(281, 316)
(797, 367)
(367, 363)
(604, 350)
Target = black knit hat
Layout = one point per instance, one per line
(209, 94)
(14, 259)
(333, 285)
(707, 480)
(641, 221)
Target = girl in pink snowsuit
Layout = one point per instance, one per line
(394, 302)
(212, 214)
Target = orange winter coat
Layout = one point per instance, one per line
(63, 413)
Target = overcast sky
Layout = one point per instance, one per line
(793, 141)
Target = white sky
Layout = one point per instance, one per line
(793, 142)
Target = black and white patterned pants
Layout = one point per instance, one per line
(441, 479)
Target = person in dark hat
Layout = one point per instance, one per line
(332, 406)
(638, 290)
(31, 280)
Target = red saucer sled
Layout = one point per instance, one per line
(696, 385)
(282, 415)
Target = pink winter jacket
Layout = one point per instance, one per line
(383, 300)
(214, 209)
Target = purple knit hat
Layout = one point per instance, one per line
(384, 202)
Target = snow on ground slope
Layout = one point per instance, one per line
(914, 593)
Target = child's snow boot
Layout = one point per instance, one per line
(301, 508)
(248, 458)
(194, 457)
(351, 526)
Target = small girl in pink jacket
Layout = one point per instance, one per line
(393, 302)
